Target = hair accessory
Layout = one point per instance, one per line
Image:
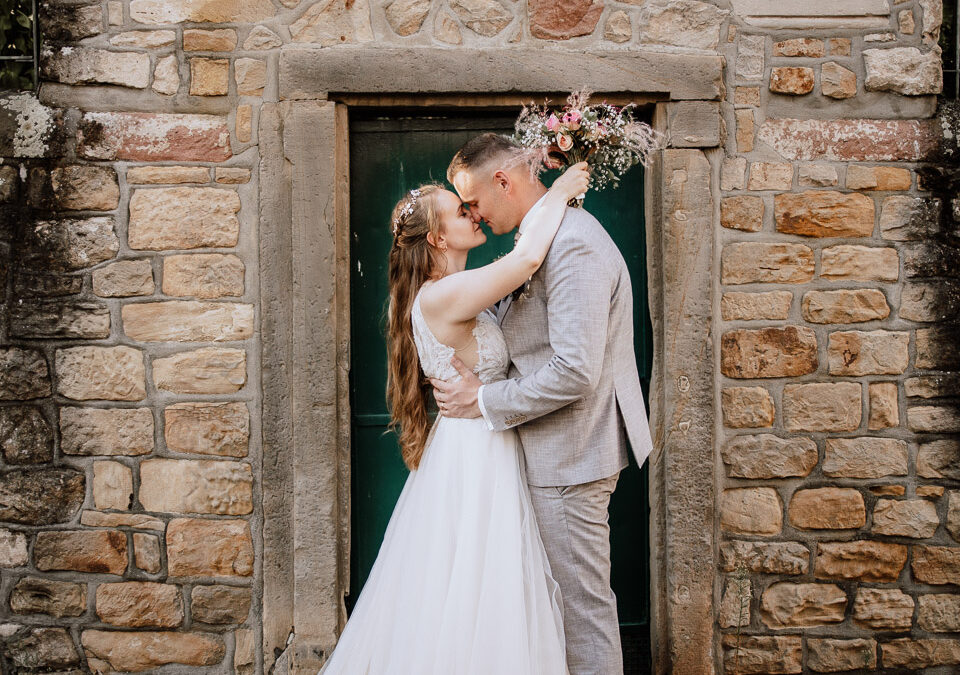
(413, 196)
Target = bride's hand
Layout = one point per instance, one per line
(573, 182)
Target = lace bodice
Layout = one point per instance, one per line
(435, 356)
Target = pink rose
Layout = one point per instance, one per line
(572, 120)
(564, 141)
(552, 122)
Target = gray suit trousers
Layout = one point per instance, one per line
(575, 528)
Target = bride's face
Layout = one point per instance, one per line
(457, 229)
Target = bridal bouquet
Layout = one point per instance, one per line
(607, 137)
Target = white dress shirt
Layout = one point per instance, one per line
(523, 223)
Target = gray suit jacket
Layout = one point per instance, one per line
(574, 391)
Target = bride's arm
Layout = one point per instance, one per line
(461, 296)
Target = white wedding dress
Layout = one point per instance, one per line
(461, 584)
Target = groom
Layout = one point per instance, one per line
(573, 390)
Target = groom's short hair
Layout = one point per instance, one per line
(479, 151)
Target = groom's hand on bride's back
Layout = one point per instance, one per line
(458, 399)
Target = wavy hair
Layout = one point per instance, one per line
(413, 260)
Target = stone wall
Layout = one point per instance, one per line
(130, 369)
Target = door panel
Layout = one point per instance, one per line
(388, 156)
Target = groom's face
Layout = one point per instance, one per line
(488, 196)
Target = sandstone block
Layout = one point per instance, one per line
(112, 485)
(878, 352)
(250, 76)
(770, 176)
(60, 320)
(188, 321)
(333, 23)
(905, 22)
(183, 217)
(839, 46)
(753, 654)
(768, 352)
(937, 348)
(769, 456)
(734, 607)
(261, 38)
(953, 514)
(810, 47)
(687, 23)
(936, 565)
(178, 11)
(231, 175)
(755, 511)
(153, 137)
(216, 40)
(883, 609)
(905, 218)
(791, 80)
(549, 21)
(13, 549)
(209, 77)
(216, 548)
(939, 613)
(446, 30)
(845, 306)
(244, 651)
(146, 552)
(100, 519)
(407, 16)
(841, 140)
(168, 174)
(36, 595)
(747, 96)
(930, 491)
(738, 306)
(869, 561)
(885, 178)
(759, 262)
(828, 508)
(166, 76)
(208, 428)
(144, 650)
(70, 244)
(788, 605)
(617, 27)
(822, 406)
(884, 405)
(934, 419)
(747, 407)
(140, 604)
(733, 173)
(25, 436)
(196, 486)
(937, 301)
(23, 374)
(744, 212)
(817, 175)
(97, 431)
(824, 213)
(83, 187)
(46, 648)
(124, 278)
(917, 654)
(101, 551)
(110, 373)
(147, 39)
(939, 459)
(745, 130)
(244, 122)
(836, 81)
(904, 70)
(220, 604)
(827, 655)
(42, 496)
(865, 457)
(765, 557)
(203, 371)
(203, 275)
(749, 63)
(86, 65)
(859, 263)
(71, 23)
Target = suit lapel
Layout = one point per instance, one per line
(503, 307)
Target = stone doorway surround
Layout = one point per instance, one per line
(304, 254)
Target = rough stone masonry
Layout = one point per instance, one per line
(131, 497)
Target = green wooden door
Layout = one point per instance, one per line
(388, 156)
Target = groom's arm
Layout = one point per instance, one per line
(578, 286)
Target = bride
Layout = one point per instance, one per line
(461, 584)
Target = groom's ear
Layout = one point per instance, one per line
(501, 180)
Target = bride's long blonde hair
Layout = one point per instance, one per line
(413, 260)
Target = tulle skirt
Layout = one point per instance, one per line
(461, 584)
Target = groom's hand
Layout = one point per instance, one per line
(458, 399)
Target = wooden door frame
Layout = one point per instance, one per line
(305, 321)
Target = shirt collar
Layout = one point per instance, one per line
(529, 214)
